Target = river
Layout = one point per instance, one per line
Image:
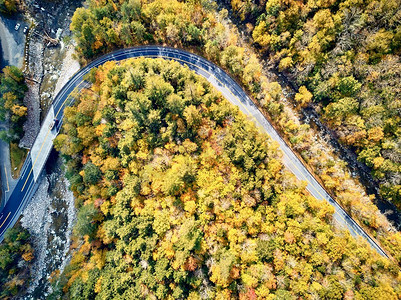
(49, 217)
(50, 214)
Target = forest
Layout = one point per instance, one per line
(347, 53)
(8, 7)
(199, 26)
(16, 255)
(12, 108)
(179, 196)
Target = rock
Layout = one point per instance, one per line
(51, 243)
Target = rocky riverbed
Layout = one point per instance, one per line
(49, 217)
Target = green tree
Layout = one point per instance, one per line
(92, 174)
(85, 220)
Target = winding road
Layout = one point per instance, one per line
(43, 145)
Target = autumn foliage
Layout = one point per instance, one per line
(16, 257)
(347, 53)
(179, 196)
(12, 108)
(200, 27)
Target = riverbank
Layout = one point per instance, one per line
(50, 214)
(49, 217)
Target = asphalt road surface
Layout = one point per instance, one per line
(8, 182)
(216, 76)
(12, 41)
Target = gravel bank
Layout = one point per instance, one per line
(32, 97)
(49, 217)
(69, 68)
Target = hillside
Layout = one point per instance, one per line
(201, 28)
(180, 197)
(347, 54)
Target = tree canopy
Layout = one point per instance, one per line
(181, 197)
(169, 22)
(347, 53)
(8, 6)
(16, 255)
(12, 108)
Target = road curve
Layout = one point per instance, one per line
(40, 151)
